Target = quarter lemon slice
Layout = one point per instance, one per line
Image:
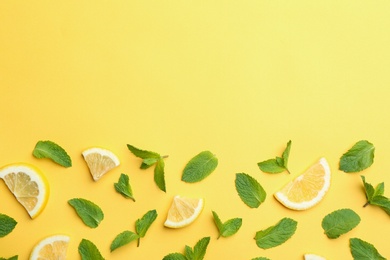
(308, 189)
(28, 185)
(51, 248)
(100, 161)
(313, 257)
(183, 211)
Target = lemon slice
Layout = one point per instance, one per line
(313, 257)
(183, 211)
(100, 161)
(308, 189)
(51, 248)
(29, 186)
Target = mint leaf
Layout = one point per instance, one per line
(277, 165)
(88, 251)
(159, 174)
(375, 196)
(228, 228)
(51, 150)
(7, 224)
(249, 190)
(150, 159)
(175, 256)
(197, 253)
(276, 235)
(123, 187)
(261, 258)
(199, 167)
(340, 222)
(122, 239)
(89, 212)
(200, 248)
(11, 258)
(362, 250)
(358, 158)
(143, 224)
(271, 166)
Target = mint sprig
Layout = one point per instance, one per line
(228, 228)
(277, 165)
(143, 224)
(52, 151)
(196, 253)
(123, 187)
(375, 196)
(149, 159)
(358, 158)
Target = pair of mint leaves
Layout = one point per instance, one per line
(197, 169)
(196, 253)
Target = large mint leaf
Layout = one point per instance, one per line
(123, 239)
(362, 250)
(249, 190)
(51, 150)
(358, 158)
(7, 224)
(276, 235)
(89, 251)
(89, 212)
(340, 222)
(199, 167)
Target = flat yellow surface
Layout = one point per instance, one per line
(238, 78)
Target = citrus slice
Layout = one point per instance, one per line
(183, 211)
(313, 257)
(100, 161)
(308, 189)
(51, 248)
(28, 185)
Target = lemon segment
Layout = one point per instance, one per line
(308, 189)
(313, 257)
(51, 248)
(100, 161)
(29, 186)
(183, 211)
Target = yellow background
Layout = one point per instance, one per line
(238, 78)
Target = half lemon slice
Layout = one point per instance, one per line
(308, 189)
(51, 248)
(29, 186)
(183, 211)
(100, 161)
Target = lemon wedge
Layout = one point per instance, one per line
(100, 161)
(183, 211)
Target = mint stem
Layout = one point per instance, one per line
(288, 171)
(164, 156)
(365, 205)
(138, 242)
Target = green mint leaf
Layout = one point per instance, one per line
(358, 158)
(276, 235)
(143, 154)
(51, 150)
(368, 188)
(271, 166)
(197, 253)
(189, 253)
(159, 175)
(200, 248)
(286, 154)
(88, 251)
(123, 239)
(261, 258)
(379, 189)
(249, 190)
(340, 222)
(11, 258)
(7, 224)
(199, 167)
(382, 202)
(175, 256)
(123, 187)
(228, 228)
(89, 212)
(143, 224)
(147, 162)
(362, 250)
(277, 165)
